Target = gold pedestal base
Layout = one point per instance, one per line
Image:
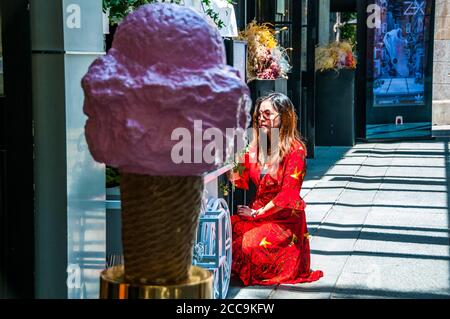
(113, 286)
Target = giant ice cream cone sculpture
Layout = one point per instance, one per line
(165, 70)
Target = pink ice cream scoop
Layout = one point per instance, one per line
(166, 70)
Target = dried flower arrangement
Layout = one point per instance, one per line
(335, 56)
(266, 58)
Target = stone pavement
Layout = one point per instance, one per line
(379, 219)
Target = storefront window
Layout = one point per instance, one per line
(399, 53)
(283, 19)
(304, 33)
(283, 13)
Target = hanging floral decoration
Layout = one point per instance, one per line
(266, 58)
(335, 56)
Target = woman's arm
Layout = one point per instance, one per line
(270, 208)
(249, 212)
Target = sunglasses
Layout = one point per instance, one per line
(267, 115)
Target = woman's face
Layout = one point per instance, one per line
(268, 117)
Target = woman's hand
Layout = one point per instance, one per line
(245, 211)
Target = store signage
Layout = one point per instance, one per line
(414, 7)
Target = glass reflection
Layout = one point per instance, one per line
(399, 53)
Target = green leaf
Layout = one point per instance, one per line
(119, 9)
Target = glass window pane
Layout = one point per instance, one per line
(283, 10)
(304, 47)
(284, 37)
(304, 34)
(304, 12)
(399, 54)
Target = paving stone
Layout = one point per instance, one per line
(430, 173)
(320, 289)
(253, 292)
(405, 218)
(393, 278)
(323, 196)
(410, 244)
(416, 199)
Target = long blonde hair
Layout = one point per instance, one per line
(288, 132)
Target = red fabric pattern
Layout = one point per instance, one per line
(273, 248)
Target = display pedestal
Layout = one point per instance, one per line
(114, 286)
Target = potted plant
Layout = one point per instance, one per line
(267, 62)
(335, 83)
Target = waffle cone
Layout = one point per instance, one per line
(159, 221)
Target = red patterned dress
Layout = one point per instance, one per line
(273, 248)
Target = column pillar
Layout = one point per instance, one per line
(70, 227)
